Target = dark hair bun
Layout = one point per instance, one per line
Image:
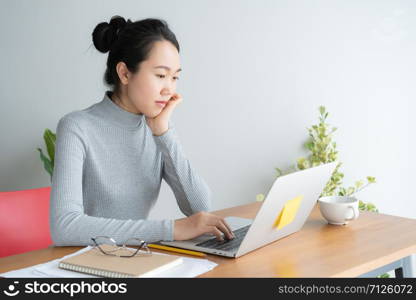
(105, 34)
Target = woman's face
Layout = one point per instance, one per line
(155, 81)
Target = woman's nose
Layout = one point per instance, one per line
(167, 92)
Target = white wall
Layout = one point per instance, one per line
(254, 74)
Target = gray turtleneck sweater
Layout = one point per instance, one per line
(107, 176)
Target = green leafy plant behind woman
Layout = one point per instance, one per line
(323, 150)
(50, 140)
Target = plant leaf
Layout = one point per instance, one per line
(50, 139)
(279, 172)
(46, 163)
(359, 184)
(259, 197)
(321, 110)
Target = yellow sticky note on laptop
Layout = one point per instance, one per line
(288, 213)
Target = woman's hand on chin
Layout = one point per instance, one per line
(160, 124)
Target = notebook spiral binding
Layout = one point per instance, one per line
(93, 271)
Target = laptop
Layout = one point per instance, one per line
(284, 211)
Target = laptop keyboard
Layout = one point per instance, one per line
(226, 245)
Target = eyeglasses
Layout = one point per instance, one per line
(108, 246)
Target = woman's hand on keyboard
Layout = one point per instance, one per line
(201, 223)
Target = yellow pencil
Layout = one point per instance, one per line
(190, 252)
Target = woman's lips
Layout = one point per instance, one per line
(161, 103)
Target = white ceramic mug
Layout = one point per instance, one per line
(339, 210)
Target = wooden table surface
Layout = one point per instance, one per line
(317, 250)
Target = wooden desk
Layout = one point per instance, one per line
(318, 250)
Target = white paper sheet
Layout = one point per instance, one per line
(191, 267)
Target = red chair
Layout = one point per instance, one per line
(24, 221)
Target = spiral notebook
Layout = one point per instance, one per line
(96, 263)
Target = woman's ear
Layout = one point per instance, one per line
(123, 72)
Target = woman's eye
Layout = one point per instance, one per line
(163, 76)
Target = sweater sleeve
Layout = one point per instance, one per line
(191, 191)
(69, 225)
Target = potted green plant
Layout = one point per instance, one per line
(323, 150)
